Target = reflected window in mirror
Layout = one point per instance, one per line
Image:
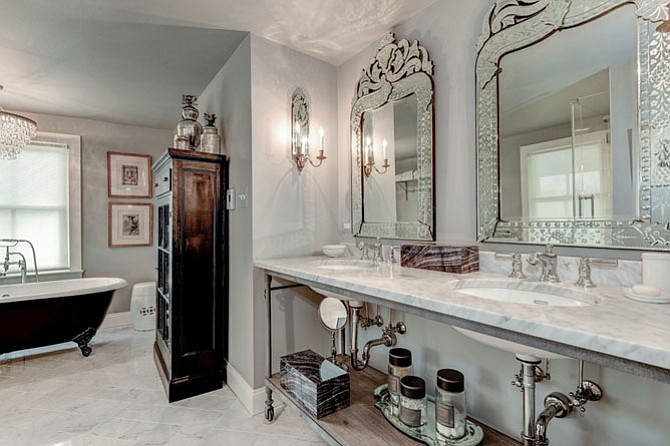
(573, 115)
(568, 121)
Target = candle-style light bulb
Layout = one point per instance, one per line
(384, 144)
(305, 146)
(321, 133)
(296, 137)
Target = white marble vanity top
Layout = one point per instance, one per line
(615, 326)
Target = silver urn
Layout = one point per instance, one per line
(189, 130)
(211, 140)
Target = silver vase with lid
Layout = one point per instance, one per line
(189, 131)
(211, 140)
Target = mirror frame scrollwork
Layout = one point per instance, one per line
(398, 70)
(513, 25)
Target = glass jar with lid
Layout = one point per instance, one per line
(400, 365)
(450, 408)
(413, 403)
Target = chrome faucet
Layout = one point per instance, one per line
(21, 263)
(548, 260)
(376, 249)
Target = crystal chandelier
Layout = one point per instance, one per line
(16, 131)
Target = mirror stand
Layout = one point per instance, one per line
(334, 316)
(333, 352)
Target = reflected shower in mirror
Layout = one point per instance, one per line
(573, 124)
(568, 123)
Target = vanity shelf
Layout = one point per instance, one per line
(362, 422)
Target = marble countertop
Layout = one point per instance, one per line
(616, 326)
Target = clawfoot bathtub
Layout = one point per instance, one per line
(38, 314)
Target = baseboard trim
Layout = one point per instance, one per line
(252, 399)
(117, 320)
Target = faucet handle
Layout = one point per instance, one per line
(549, 250)
(584, 280)
(517, 267)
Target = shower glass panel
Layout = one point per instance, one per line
(592, 156)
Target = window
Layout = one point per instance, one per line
(559, 182)
(40, 201)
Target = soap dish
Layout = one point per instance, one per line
(664, 298)
(426, 434)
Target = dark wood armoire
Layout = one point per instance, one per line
(191, 292)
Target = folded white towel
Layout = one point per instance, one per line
(405, 176)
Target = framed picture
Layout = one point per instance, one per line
(128, 175)
(130, 224)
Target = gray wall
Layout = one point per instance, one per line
(634, 411)
(229, 96)
(97, 138)
(294, 213)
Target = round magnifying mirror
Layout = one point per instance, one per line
(333, 313)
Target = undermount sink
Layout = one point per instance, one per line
(346, 264)
(525, 293)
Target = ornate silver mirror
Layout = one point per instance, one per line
(392, 144)
(334, 316)
(573, 124)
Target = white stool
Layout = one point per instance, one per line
(143, 306)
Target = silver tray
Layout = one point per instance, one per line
(426, 433)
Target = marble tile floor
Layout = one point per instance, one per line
(55, 397)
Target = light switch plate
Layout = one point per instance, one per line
(230, 199)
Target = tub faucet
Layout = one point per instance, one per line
(11, 243)
(548, 261)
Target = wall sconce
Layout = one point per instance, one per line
(300, 132)
(370, 158)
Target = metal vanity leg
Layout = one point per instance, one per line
(269, 408)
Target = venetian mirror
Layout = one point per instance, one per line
(392, 144)
(573, 124)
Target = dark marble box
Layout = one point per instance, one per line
(448, 259)
(318, 384)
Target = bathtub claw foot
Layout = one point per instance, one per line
(83, 339)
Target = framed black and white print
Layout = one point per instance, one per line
(130, 224)
(128, 175)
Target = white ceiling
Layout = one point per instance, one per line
(129, 61)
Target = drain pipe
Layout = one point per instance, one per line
(530, 374)
(526, 381)
(387, 339)
(355, 306)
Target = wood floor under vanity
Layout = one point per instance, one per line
(363, 424)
